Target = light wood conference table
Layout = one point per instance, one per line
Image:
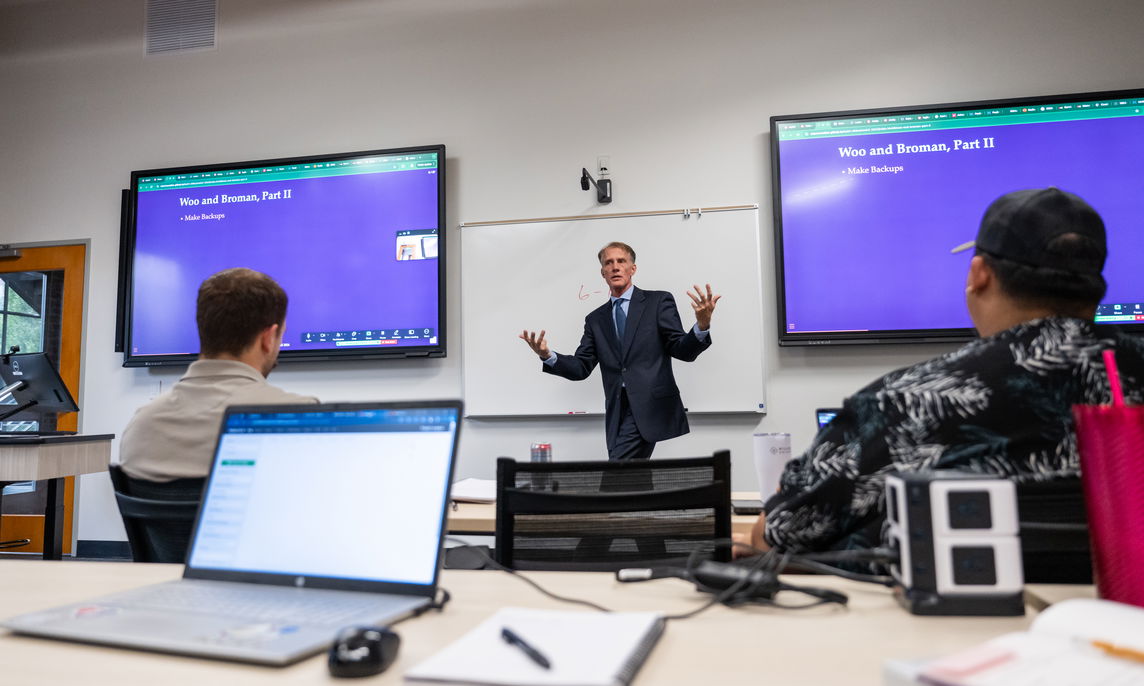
(749, 645)
(50, 459)
(481, 518)
(1040, 596)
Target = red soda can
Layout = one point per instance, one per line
(541, 452)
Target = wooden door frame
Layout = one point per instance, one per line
(71, 257)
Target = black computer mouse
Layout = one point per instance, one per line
(363, 651)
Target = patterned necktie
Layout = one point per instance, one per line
(621, 318)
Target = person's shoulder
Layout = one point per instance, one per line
(604, 310)
(145, 413)
(928, 375)
(1129, 352)
(1128, 343)
(653, 296)
(296, 397)
(1053, 339)
(268, 394)
(153, 419)
(163, 404)
(1038, 337)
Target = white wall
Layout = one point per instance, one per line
(523, 93)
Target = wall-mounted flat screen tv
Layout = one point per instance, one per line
(869, 203)
(355, 239)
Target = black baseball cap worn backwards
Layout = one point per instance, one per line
(1020, 226)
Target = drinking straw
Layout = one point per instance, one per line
(1113, 378)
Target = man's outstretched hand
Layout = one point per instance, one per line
(703, 304)
(537, 343)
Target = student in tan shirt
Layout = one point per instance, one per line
(167, 447)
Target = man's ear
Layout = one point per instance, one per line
(268, 339)
(980, 276)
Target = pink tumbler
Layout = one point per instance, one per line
(1110, 439)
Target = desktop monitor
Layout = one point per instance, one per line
(868, 204)
(32, 381)
(355, 239)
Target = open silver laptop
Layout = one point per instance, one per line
(314, 517)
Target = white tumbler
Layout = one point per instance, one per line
(772, 452)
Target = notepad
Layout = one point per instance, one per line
(1057, 650)
(474, 491)
(584, 648)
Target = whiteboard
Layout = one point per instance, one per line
(545, 275)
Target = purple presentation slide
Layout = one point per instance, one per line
(868, 221)
(356, 253)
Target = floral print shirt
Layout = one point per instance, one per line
(1000, 405)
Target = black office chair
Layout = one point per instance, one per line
(159, 530)
(1055, 547)
(15, 542)
(603, 516)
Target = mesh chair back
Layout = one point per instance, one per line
(597, 516)
(1055, 546)
(157, 530)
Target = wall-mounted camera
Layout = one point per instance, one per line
(603, 186)
(956, 535)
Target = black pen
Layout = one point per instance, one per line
(533, 654)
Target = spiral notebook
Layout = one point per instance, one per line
(583, 649)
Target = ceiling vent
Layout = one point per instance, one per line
(180, 25)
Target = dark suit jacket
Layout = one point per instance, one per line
(642, 363)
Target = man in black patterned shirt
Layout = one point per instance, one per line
(1000, 405)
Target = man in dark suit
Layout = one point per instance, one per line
(633, 338)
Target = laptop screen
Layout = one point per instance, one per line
(352, 491)
(824, 415)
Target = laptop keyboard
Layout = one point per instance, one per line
(262, 604)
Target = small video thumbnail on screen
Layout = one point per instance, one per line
(416, 244)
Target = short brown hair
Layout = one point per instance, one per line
(234, 306)
(616, 244)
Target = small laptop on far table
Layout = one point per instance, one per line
(824, 415)
(314, 517)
